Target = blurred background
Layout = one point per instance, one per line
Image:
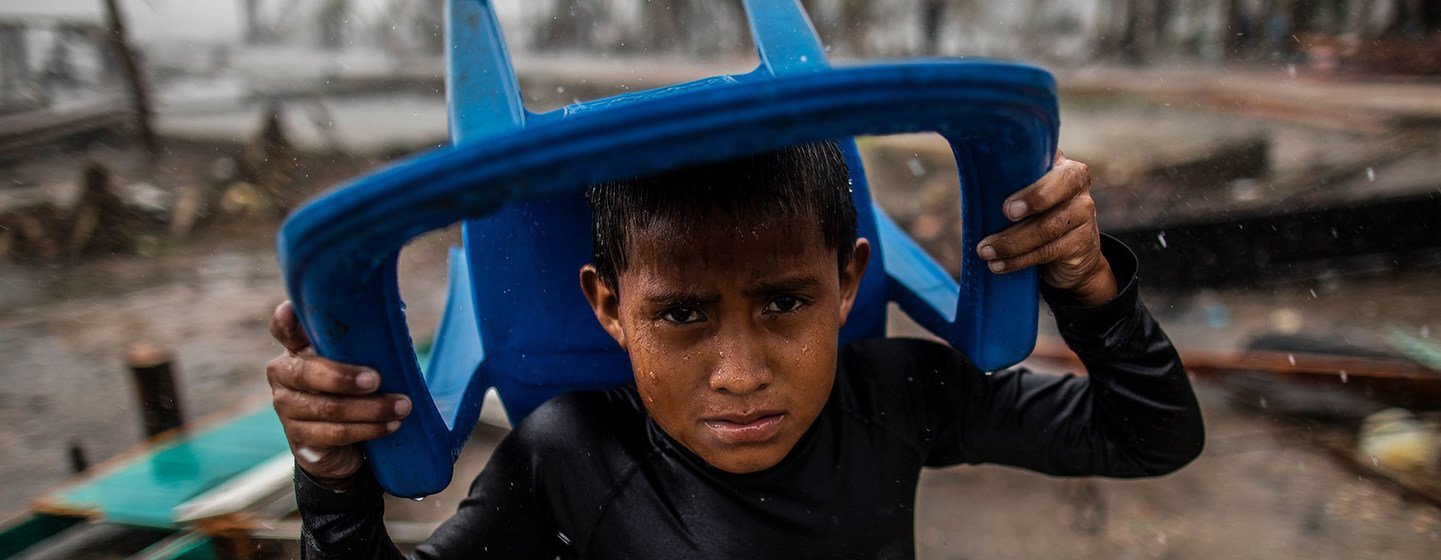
(1272, 162)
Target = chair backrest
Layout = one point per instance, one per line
(516, 321)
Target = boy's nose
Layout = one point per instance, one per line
(739, 369)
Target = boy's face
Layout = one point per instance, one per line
(732, 331)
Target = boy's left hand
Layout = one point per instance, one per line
(1056, 230)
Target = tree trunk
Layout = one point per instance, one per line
(933, 14)
(854, 22)
(139, 93)
(14, 65)
(251, 13)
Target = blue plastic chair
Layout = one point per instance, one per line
(516, 320)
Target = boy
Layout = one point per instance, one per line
(748, 433)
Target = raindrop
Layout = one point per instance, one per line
(1425, 331)
(560, 89)
(1291, 70)
(1264, 404)
(1313, 293)
(805, 59)
(1344, 379)
(917, 168)
(1370, 173)
(1291, 358)
(1162, 238)
(418, 499)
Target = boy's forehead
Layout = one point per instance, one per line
(723, 245)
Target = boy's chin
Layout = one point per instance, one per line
(747, 461)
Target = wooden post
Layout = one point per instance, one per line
(151, 367)
(139, 94)
(78, 461)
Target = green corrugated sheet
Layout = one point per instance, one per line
(24, 533)
(143, 490)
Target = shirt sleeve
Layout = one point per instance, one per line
(1134, 415)
(502, 517)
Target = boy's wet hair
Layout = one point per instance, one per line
(801, 182)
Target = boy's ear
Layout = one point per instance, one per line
(604, 301)
(851, 275)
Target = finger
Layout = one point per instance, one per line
(286, 329)
(1073, 244)
(320, 407)
(317, 436)
(1066, 179)
(315, 374)
(1029, 235)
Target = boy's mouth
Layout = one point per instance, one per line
(746, 428)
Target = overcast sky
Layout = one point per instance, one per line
(148, 20)
(170, 20)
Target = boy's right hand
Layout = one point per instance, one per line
(326, 407)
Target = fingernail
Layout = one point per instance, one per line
(1016, 209)
(986, 252)
(402, 407)
(309, 455)
(367, 379)
(998, 266)
(392, 426)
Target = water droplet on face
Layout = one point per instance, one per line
(917, 168)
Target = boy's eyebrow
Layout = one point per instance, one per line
(783, 285)
(679, 297)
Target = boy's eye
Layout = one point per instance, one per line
(784, 304)
(681, 315)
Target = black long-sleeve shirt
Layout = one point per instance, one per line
(589, 475)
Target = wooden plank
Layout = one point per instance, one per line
(1389, 378)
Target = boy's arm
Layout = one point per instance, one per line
(502, 517)
(1135, 415)
(342, 524)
